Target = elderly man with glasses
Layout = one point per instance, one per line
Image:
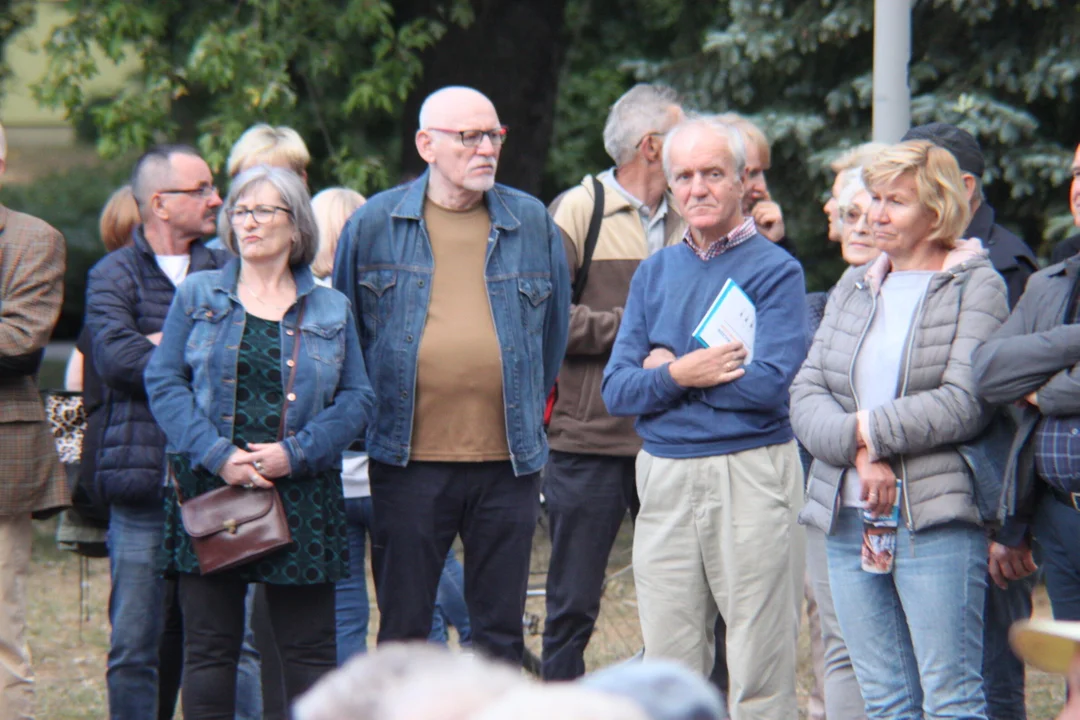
(128, 295)
(461, 294)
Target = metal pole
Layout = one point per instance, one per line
(892, 53)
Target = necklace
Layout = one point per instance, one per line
(281, 308)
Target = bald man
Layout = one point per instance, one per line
(462, 298)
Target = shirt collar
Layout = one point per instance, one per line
(737, 236)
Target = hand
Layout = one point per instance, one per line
(154, 338)
(1072, 707)
(659, 356)
(1006, 563)
(769, 220)
(878, 484)
(709, 367)
(239, 472)
(270, 459)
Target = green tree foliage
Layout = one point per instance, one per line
(337, 71)
(14, 16)
(1003, 69)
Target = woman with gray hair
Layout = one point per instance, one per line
(259, 382)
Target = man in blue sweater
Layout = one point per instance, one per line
(719, 475)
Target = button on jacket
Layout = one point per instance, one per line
(384, 265)
(191, 378)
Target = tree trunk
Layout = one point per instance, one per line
(512, 53)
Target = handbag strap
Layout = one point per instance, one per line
(292, 371)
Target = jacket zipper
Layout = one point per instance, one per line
(908, 352)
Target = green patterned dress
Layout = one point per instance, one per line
(313, 504)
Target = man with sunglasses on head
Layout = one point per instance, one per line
(128, 295)
(461, 294)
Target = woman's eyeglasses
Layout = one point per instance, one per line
(261, 213)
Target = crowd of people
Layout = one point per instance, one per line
(422, 367)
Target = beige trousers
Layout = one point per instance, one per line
(16, 677)
(720, 533)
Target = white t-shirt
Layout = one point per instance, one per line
(354, 475)
(175, 267)
(877, 366)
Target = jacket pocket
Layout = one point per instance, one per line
(376, 299)
(325, 342)
(535, 293)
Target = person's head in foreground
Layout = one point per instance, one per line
(1052, 646)
(408, 681)
(561, 701)
(665, 690)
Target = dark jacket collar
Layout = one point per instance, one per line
(982, 224)
(201, 256)
(411, 206)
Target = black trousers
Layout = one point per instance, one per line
(302, 617)
(419, 509)
(587, 499)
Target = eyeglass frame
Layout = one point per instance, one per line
(203, 191)
(234, 213)
(499, 132)
(845, 211)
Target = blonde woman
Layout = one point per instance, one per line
(332, 208)
(881, 403)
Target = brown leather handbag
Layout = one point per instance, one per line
(233, 526)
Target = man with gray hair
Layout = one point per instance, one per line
(128, 295)
(589, 479)
(31, 479)
(719, 474)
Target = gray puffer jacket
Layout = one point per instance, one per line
(936, 403)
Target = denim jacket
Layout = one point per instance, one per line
(191, 378)
(384, 265)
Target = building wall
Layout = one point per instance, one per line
(27, 122)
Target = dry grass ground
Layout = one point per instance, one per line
(69, 654)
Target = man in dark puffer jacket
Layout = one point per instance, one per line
(128, 295)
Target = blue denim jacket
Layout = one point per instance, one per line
(191, 377)
(384, 265)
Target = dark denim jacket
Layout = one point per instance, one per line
(384, 265)
(191, 378)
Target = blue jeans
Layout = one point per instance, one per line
(915, 635)
(353, 606)
(351, 594)
(1057, 526)
(136, 611)
(1003, 672)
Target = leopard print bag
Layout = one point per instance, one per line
(67, 419)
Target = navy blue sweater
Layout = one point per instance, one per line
(669, 294)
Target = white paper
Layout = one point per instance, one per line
(731, 317)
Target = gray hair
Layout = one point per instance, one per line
(294, 196)
(407, 680)
(729, 132)
(851, 185)
(642, 109)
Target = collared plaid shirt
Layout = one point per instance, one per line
(1057, 449)
(736, 237)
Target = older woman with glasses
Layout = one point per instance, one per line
(882, 402)
(227, 362)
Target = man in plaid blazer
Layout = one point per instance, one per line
(31, 479)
